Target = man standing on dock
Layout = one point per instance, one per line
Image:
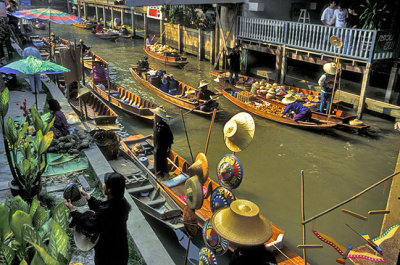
(234, 65)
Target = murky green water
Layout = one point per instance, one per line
(336, 164)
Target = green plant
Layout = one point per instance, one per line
(29, 236)
(374, 14)
(26, 154)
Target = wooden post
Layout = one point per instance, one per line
(79, 10)
(162, 29)
(364, 85)
(201, 44)
(133, 23)
(97, 13)
(179, 38)
(212, 47)
(303, 217)
(245, 53)
(284, 65)
(145, 27)
(278, 63)
(104, 16)
(392, 82)
(216, 41)
(122, 15)
(84, 11)
(112, 17)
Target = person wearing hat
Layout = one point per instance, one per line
(163, 139)
(302, 112)
(234, 65)
(326, 81)
(144, 64)
(100, 75)
(124, 31)
(60, 126)
(82, 45)
(204, 99)
(109, 220)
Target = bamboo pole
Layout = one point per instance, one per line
(303, 217)
(187, 137)
(351, 198)
(335, 80)
(209, 131)
(108, 84)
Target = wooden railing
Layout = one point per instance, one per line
(361, 44)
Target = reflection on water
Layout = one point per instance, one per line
(336, 164)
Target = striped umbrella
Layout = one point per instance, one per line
(50, 14)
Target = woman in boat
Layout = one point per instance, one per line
(60, 126)
(204, 98)
(163, 139)
(109, 221)
(99, 28)
(302, 113)
(124, 31)
(100, 75)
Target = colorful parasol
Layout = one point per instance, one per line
(213, 240)
(229, 171)
(207, 257)
(220, 198)
(48, 14)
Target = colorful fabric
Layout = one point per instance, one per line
(48, 14)
(32, 65)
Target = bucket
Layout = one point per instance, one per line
(144, 160)
(108, 142)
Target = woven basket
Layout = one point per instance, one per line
(108, 142)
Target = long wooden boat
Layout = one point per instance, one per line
(84, 25)
(96, 109)
(170, 59)
(147, 193)
(107, 35)
(204, 213)
(341, 118)
(184, 98)
(126, 100)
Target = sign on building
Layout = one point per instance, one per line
(154, 12)
(25, 2)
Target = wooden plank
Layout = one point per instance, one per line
(359, 216)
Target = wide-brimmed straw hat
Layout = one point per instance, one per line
(203, 83)
(289, 98)
(71, 192)
(193, 193)
(85, 240)
(242, 224)
(330, 68)
(239, 131)
(199, 168)
(160, 113)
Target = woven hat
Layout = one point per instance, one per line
(207, 257)
(356, 122)
(330, 68)
(242, 223)
(213, 240)
(199, 168)
(85, 240)
(239, 131)
(271, 91)
(203, 83)
(229, 171)
(194, 193)
(71, 192)
(160, 113)
(289, 98)
(221, 198)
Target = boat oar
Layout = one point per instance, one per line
(209, 131)
(202, 104)
(187, 137)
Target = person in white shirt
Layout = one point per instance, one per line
(328, 13)
(339, 17)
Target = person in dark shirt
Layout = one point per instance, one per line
(60, 125)
(109, 220)
(302, 113)
(204, 97)
(84, 47)
(234, 65)
(254, 255)
(163, 139)
(352, 22)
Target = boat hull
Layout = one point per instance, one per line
(167, 60)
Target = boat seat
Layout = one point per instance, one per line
(155, 202)
(145, 188)
(115, 95)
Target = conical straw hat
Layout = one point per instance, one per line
(239, 131)
(160, 113)
(241, 223)
(330, 68)
(289, 98)
(199, 168)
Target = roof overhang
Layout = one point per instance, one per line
(178, 2)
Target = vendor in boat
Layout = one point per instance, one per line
(302, 113)
(327, 81)
(98, 28)
(124, 31)
(204, 98)
(54, 39)
(109, 221)
(60, 125)
(83, 46)
(144, 64)
(148, 41)
(100, 75)
(163, 139)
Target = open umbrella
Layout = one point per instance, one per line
(31, 66)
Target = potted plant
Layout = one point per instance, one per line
(26, 154)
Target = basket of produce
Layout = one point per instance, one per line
(108, 142)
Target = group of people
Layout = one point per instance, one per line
(335, 14)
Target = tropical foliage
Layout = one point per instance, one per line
(26, 153)
(375, 14)
(28, 235)
(189, 16)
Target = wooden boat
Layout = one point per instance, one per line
(89, 59)
(107, 35)
(204, 213)
(184, 98)
(148, 194)
(341, 118)
(39, 26)
(168, 58)
(126, 100)
(96, 109)
(84, 25)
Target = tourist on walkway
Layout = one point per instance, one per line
(60, 126)
(163, 139)
(100, 75)
(326, 81)
(109, 221)
(328, 13)
(352, 22)
(339, 16)
(204, 97)
(234, 65)
(302, 113)
(31, 50)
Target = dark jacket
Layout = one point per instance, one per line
(234, 62)
(110, 221)
(256, 255)
(163, 137)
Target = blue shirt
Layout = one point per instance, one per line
(31, 51)
(296, 107)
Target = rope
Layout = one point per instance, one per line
(289, 259)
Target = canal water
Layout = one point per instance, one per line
(336, 164)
